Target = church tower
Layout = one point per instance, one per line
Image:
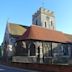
(44, 18)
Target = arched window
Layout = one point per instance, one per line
(45, 24)
(32, 49)
(65, 49)
(36, 22)
(51, 23)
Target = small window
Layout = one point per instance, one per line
(45, 24)
(36, 22)
(38, 50)
(51, 23)
(65, 49)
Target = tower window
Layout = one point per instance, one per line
(36, 22)
(51, 23)
(45, 24)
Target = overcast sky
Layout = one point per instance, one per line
(20, 11)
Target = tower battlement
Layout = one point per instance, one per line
(44, 11)
(44, 18)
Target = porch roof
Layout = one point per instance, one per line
(38, 33)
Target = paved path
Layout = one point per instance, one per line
(12, 69)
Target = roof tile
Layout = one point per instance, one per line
(39, 33)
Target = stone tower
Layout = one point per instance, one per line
(44, 18)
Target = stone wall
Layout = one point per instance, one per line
(44, 52)
(44, 18)
(24, 59)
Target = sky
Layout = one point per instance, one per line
(21, 11)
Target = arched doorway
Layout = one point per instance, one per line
(32, 49)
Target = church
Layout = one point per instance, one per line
(38, 43)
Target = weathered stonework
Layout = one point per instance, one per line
(43, 52)
(44, 18)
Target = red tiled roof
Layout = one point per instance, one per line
(38, 33)
(69, 36)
